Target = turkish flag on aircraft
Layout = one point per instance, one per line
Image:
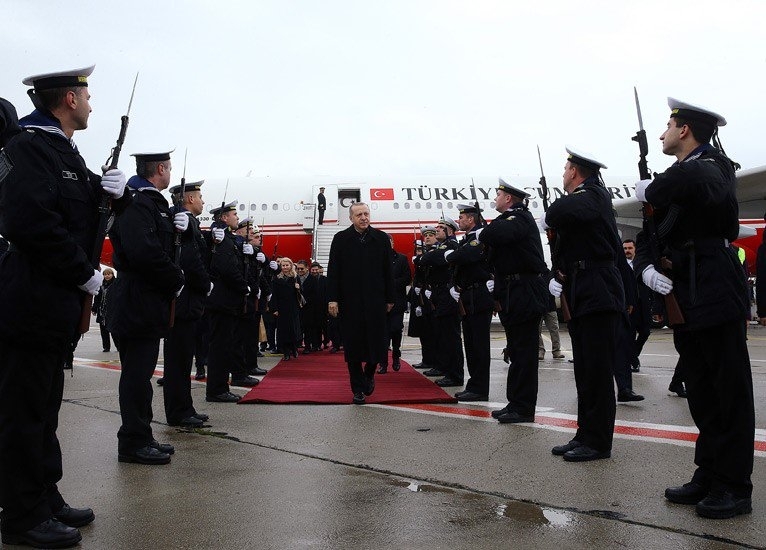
(386, 194)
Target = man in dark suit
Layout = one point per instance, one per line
(321, 206)
(360, 289)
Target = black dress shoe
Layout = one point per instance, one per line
(500, 412)
(334, 350)
(560, 450)
(636, 367)
(145, 455)
(306, 351)
(48, 534)
(160, 381)
(583, 453)
(688, 493)
(370, 386)
(226, 397)
(257, 371)
(188, 422)
(200, 375)
(383, 368)
(202, 416)
(421, 365)
(358, 399)
(723, 505)
(677, 388)
(396, 364)
(624, 396)
(286, 357)
(246, 381)
(260, 354)
(470, 396)
(448, 382)
(433, 372)
(512, 417)
(166, 448)
(74, 517)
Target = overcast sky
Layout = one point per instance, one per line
(395, 87)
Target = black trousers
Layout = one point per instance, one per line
(476, 342)
(594, 338)
(138, 357)
(202, 342)
(624, 354)
(522, 380)
(719, 385)
(449, 349)
(31, 388)
(222, 353)
(250, 328)
(428, 342)
(105, 343)
(360, 376)
(178, 356)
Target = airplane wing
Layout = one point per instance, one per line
(751, 195)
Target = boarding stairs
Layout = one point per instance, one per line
(323, 235)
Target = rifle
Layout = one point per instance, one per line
(661, 264)
(105, 212)
(246, 258)
(543, 182)
(177, 239)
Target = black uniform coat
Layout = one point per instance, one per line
(439, 277)
(703, 185)
(760, 282)
(359, 279)
(190, 304)
(142, 237)
(471, 273)
(48, 212)
(516, 254)
(588, 247)
(227, 270)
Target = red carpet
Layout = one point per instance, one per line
(322, 378)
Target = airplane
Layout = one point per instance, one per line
(285, 207)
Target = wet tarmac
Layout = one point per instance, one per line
(336, 477)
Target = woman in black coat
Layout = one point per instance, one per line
(285, 308)
(100, 307)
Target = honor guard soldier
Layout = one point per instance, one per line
(471, 289)
(400, 269)
(585, 273)
(256, 299)
(140, 300)
(446, 318)
(190, 305)
(421, 308)
(516, 256)
(225, 306)
(696, 216)
(44, 278)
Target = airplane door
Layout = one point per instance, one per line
(346, 197)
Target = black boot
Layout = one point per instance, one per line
(395, 364)
(383, 368)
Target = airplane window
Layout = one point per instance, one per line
(406, 206)
(428, 206)
(449, 205)
(396, 206)
(285, 206)
(264, 206)
(439, 206)
(253, 206)
(492, 205)
(275, 206)
(242, 206)
(417, 206)
(534, 204)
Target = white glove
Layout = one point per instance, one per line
(428, 294)
(92, 285)
(113, 183)
(418, 311)
(656, 280)
(181, 221)
(417, 291)
(478, 232)
(641, 190)
(258, 296)
(261, 257)
(555, 288)
(209, 292)
(491, 285)
(273, 265)
(447, 253)
(542, 226)
(454, 293)
(180, 290)
(247, 249)
(218, 234)
(248, 291)
(414, 258)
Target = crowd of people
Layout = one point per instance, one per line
(205, 294)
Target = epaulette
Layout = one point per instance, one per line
(474, 243)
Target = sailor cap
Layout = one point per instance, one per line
(449, 221)
(192, 186)
(254, 229)
(694, 112)
(583, 159)
(229, 207)
(427, 229)
(152, 157)
(468, 209)
(60, 79)
(511, 190)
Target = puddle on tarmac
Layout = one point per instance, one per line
(420, 487)
(532, 513)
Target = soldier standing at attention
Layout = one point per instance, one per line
(321, 206)
(588, 247)
(516, 255)
(697, 215)
(44, 278)
(140, 300)
(472, 288)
